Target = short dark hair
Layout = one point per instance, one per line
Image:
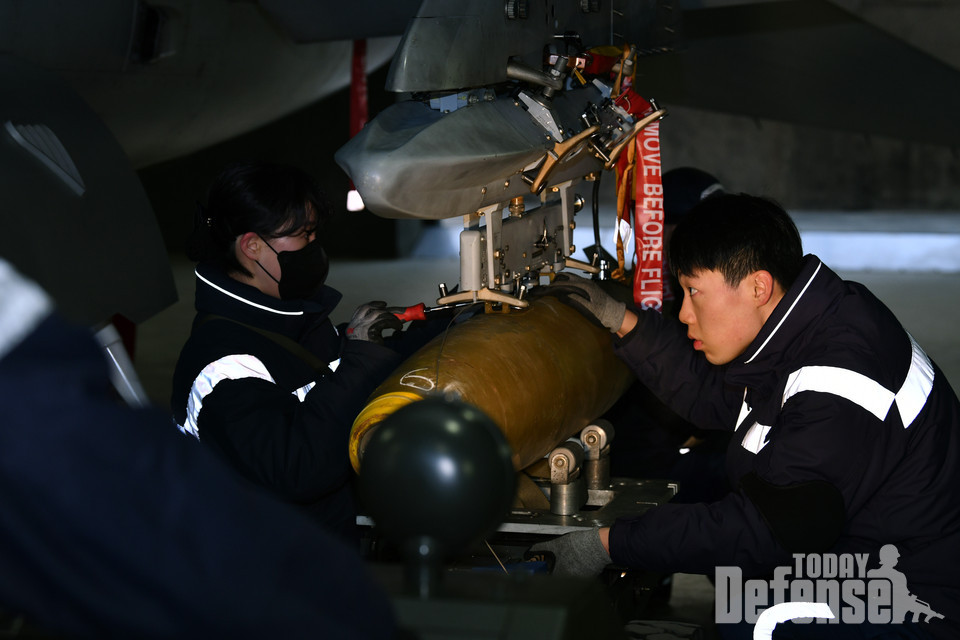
(271, 200)
(737, 234)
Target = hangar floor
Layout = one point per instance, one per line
(925, 301)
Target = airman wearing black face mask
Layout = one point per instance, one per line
(302, 271)
(265, 378)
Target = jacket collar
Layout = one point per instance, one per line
(219, 294)
(801, 306)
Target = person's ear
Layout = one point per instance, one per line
(250, 245)
(763, 287)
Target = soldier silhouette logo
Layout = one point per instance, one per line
(901, 599)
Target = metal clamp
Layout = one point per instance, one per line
(639, 125)
(596, 439)
(568, 493)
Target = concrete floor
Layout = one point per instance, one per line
(925, 301)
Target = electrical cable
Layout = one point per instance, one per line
(596, 220)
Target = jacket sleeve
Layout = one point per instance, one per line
(298, 449)
(661, 357)
(826, 446)
(697, 538)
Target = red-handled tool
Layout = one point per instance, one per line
(416, 312)
(420, 311)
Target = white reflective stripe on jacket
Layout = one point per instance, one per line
(23, 305)
(859, 389)
(867, 393)
(232, 367)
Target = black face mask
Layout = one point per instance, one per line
(302, 272)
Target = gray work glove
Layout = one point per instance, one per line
(588, 298)
(370, 321)
(579, 554)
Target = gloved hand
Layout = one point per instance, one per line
(579, 554)
(370, 321)
(588, 298)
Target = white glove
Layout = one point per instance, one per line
(371, 320)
